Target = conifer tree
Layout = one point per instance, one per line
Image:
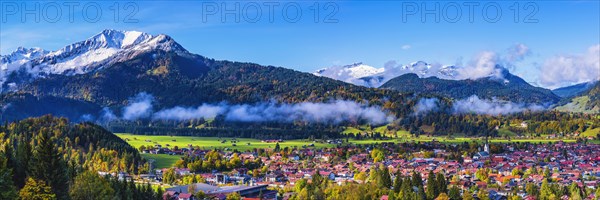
(545, 191)
(7, 189)
(47, 165)
(416, 179)
(22, 158)
(421, 193)
(385, 180)
(441, 183)
(397, 183)
(432, 190)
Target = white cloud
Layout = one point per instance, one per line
(562, 70)
(517, 53)
(107, 115)
(181, 113)
(482, 65)
(426, 105)
(476, 105)
(139, 107)
(334, 112)
(406, 47)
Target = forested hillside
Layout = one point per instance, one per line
(190, 80)
(512, 88)
(50, 158)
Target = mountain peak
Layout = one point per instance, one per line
(84, 56)
(24, 50)
(23, 53)
(162, 42)
(111, 31)
(350, 72)
(117, 39)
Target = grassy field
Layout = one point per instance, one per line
(381, 130)
(591, 132)
(209, 142)
(244, 144)
(162, 160)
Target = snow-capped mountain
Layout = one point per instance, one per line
(80, 57)
(19, 57)
(22, 54)
(349, 73)
(11, 64)
(365, 75)
(75, 56)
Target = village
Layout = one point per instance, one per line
(500, 170)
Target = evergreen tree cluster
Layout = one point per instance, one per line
(50, 158)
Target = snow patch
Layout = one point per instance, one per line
(78, 63)
(130, 38)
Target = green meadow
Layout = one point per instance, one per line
(241, 144)
(162, 160)
(383, 130)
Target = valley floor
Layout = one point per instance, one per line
(248, 144)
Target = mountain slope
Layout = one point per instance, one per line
(586, 102)
(512, 88)
(573, 90)
(161, 67)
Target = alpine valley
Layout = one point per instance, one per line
(130, 115)
(107, 76)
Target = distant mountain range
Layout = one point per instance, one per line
(511, 88)
(423, 78)
(368, 76)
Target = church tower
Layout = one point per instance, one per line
(486, 148)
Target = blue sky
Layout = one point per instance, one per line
(373, 32)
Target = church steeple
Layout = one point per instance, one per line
(486, 148)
